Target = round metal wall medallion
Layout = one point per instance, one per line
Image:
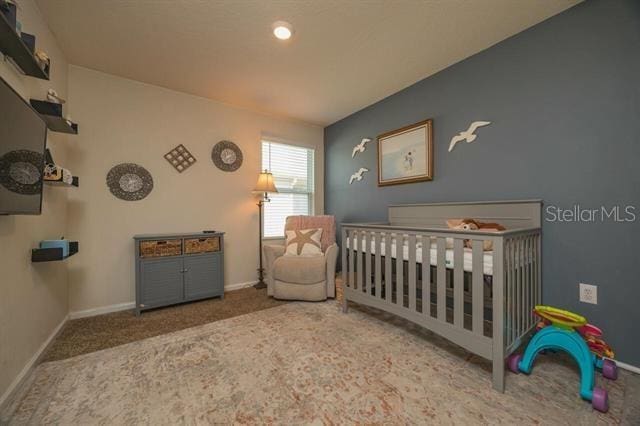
(129, 182)
(226, 156)
(21, 171)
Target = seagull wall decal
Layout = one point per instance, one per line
(468, 135)
(358, 175)
(360, 147)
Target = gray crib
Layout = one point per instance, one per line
(416, 268)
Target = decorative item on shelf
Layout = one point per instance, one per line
(358, 175)
(264, 186)
(468, 135)
(53, 97)
(180, 158)
(406, 155)
(57, 174)
(43, 60)
(129, 182)
(226, 156)
(21, 171)
(360, 147)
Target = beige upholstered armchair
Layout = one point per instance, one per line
(303, 278)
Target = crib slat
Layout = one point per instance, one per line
(441, 295)
(458, 282)
(378, 266)
(412, 272)
(539, 268)
(498, 349)
(518, 286)
(399, 269)
(388, 277)
(523, 301)
(529, 299)
(477, 288)
(426, 275)
(352, 259)
(359, 260)
(367, 254)
(510, 290)
(345, 268)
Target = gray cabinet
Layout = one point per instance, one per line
(175, 268)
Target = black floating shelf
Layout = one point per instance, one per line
(59, 124)
(51, 113)
(53, 254)
(75, 182)
(12, 46)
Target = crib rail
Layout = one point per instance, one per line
(444, 280)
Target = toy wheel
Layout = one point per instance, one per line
(609, 369)
(600, 400)
(513, 361)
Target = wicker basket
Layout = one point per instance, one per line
(339, 289)
(201, 245)
(160, 248)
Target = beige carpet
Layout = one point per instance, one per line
(305, 364)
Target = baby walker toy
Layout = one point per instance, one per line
(569, 332)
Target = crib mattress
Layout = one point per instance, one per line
(487, 258)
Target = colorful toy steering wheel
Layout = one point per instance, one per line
(559, 317)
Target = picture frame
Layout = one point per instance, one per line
(405, 155)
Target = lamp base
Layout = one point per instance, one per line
(260, 285)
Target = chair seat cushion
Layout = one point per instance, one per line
(300, 270)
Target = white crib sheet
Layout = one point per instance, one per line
(487, 260)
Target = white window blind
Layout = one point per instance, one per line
(292, 168)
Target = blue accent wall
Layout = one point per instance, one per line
(564, 99)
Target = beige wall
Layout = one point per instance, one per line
(126, 121)
(33, 297)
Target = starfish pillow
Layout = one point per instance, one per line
(304, 242)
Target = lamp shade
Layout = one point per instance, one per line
(265, 183)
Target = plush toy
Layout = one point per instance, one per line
(473, 225)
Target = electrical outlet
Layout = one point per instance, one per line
(589, 293)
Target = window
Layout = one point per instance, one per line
(292, 168)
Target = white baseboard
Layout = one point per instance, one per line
(238, 286)
(26, 371)
(102, 310)
(131, 305)
(628, 367)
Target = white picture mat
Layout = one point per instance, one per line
(404, 155)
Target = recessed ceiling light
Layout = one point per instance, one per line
(282, 30)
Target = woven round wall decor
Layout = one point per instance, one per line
(226, 156)
(129, 182)
(21, 171)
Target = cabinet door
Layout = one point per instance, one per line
(203, 276)
(161, 281)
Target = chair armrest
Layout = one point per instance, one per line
(331, 256)
(271, 253)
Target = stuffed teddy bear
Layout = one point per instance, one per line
(473, 225)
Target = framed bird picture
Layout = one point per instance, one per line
(406, 155)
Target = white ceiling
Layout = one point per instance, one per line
(345, 54)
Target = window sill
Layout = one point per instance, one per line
(272, 238)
